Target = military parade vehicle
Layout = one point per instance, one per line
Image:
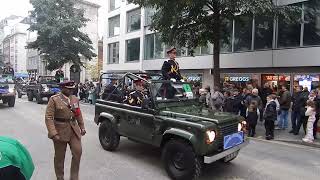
(7, 90)
(43, 87)
(171, 118)
(21, 87)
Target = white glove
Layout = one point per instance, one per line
(173, 80)
(182, 80)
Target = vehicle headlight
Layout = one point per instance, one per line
(11, 90)
(211, 135)
(239, 127)
(242, 125)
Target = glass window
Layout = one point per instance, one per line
(263, 33)
(149, 12)
(113, 53)
(243, 33)
(133, 49)
(288, 33)
(114, 4)
(226, 39)
(153, 47)
(114, 26)
(149, 46)
(133, 20)
(312, 23)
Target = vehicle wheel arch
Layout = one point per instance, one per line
(106, 117)
(179, 134)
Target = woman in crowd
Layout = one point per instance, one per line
(311, 114)
(270, 116)
(252, 117)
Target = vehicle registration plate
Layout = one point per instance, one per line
(233, 140)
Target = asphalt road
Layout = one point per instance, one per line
(259, 160)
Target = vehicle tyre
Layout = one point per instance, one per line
(11, 102)
(30, 96)
(108, 136)
(180, 161)
(227, 160)
(39, 99)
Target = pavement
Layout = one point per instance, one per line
(260, 160)
(285, 136)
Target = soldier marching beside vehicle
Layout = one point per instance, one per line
(65, 126)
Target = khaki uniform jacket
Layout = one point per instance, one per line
(58, 109)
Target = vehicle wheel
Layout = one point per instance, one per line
(108, 136)
(180, 161)
(39, 99)
(12, 102)
(30, 96)
(228, 159)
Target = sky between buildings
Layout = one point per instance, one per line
(21, 8)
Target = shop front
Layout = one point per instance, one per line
(240, 80)
(276, 81)
(309, 81)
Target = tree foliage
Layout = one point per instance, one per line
(60, 40)
(193, 23)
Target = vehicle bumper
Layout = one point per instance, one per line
(211, 159)
(8, 95)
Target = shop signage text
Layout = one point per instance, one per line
(237, 79)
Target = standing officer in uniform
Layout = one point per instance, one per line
(65, 126)
(170, 69)
(8, 70)
(136, 97)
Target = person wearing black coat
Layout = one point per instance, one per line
(170, 69)
(301, 105)
(270, 116)
(237, 101)
(297, 106)
(265, 92)
(228, 102)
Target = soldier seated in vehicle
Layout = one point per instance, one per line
(136, 97)
(111, 92)
(32, 81)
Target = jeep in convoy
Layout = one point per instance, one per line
(171, 118)
(7, 90)
(44, 86)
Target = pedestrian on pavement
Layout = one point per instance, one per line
(254, 96)
(303, 119)
(285, 103)
(217, 99)
(266, 91)
(314, 96)
(65, 126)
(253, 116)
(237, 101)
(245, 93)
(228, 105)
(311, 114)
(297, 108)
(15, 160)
(270, 115)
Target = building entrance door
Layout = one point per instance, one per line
(75, 73)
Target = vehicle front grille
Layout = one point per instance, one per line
(224, 131)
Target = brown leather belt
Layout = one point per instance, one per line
(63, 120)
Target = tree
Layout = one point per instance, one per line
(60, 40)
(193, 23)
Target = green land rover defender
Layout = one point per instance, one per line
(169, 117)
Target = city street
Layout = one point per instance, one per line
(259, 160)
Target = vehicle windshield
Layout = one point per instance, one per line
(47, 79)
(5, 78)
(170, 91)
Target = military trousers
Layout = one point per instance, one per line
(60, 148)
